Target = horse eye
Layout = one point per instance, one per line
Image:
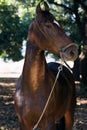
(48, 25)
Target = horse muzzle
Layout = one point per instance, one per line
(69, 53)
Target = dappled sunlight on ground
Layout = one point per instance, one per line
(9, 120)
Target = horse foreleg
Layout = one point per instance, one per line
(46, 125)
(69, 120)
(69, 115)
(22, 127)
(61, 124)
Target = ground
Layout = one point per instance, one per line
(8, 118)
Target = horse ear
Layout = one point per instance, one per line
(38, 9)
(46, 6)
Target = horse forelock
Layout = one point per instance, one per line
(45, 16)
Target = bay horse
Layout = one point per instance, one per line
(37, 79)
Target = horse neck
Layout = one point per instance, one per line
(34, 67)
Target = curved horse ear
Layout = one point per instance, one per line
(38, 9)
(46, 6)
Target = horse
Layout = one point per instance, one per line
(36, 81)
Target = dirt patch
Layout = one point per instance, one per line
(81, 108)
(9, 120)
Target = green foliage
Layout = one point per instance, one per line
(12, 32)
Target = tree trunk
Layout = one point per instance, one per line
(84, 59)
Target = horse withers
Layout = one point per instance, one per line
(37, 79)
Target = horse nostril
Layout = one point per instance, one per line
(71, 53)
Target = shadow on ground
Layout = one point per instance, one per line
(8, 118)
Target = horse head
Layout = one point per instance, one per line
(46, 33)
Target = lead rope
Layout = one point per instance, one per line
(63, 61)
(57, 76)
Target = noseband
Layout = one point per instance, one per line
(62, 50)
(63, 53)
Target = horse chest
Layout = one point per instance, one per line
(29, 106)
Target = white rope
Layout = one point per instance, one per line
(57, 76)
(63, 61)
(67, 46)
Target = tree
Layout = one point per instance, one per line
(12, 32)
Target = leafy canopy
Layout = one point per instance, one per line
(13, 30)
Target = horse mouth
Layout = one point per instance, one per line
(70, 53)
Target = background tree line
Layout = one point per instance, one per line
(16, 15)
